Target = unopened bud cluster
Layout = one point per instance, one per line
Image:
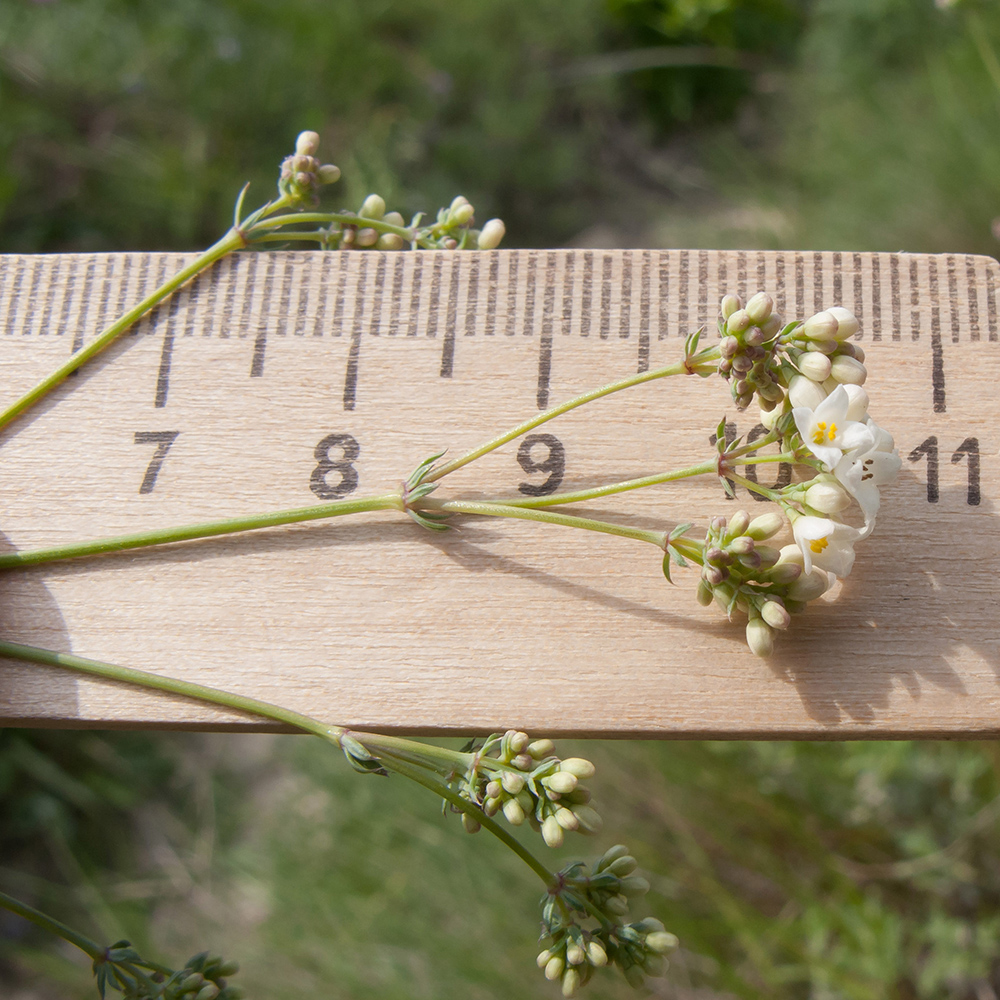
(454, 229)
(749, 349)
(523, 780)
(302, 174)
(584, 919)
(204, 978)
(767, 584)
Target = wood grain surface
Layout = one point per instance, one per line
(375, 623)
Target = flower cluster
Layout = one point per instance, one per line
(750, 342)
(302, 175)
(524, 780)
(584, 928)
(204, 977)
(821, 422)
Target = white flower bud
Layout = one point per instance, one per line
(575, 955)
(822, 326)
(738, 322)
(554, 967)
(729, 305)
(847, 323)
(561, 781)
(579, 766)
(373, 207)
(307, 143)
(770, 418)
(804, 391)
(589, 819)
(827, 496)
(760, 638)
(849, 371)
(815, 366)
(739, 523)
(661, 942)
(390, 241)
(775, 614)
(596, 954)
(552, 832)
(567, 819)
(543, 958)
(809, 586)
(759, 308)
(470, 823)
(857, 408)
(513, 811)
(493, 232)
(772, 326)
(859, 352)
(457, 202)
(329, 173)
(570, 982)
(394, 219)
(765, 526)
(366, 237)
(540, 748)
(791, 553)
(462, 215)
(513, 783)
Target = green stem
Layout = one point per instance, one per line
(253, 706)
(577, 496)
(53, 926)
(657, 538)
(755, 487)
(233, 240)
(160, 536)
(698, 364)
(767, 439)
(439, 788)
(328, 218)
(187, 689)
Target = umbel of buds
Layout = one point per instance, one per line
(749, 349)
(523, 780)
(302, 174)
(585, 921)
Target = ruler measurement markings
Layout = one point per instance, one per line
(937, 350)
(607, 288)
(545, 334)
(817, 280)
(683, 276)
(260, 312)
(741, 274)
(991, 300)
(451, 314)
(510, 311)
(952, 297)
(491, 294)
(81, 309)
(625, 300)
(972, 296)
(915, 321)
(838, 279)
(779, 278)
(702, 312)
(167, 348)
(645, 293)
(798, 306)
(894, 297)
(472, 304)
(858, 290)
(876, 310)
(663, 270)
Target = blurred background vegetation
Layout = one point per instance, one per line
(789, 870)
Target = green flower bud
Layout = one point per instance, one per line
(648, 925)
(596, 954)
(617, 905)
(610, 855)
(366, 237)
(208, 992)
(552, 832)
(738, 322)
(704, 594)
(742, 546)
(543, 958)
(554, 967)
(579, 766)
(654, 965)
(228, 968)
(518, 741)
(589, 819)
(493, 789)
(808, 587)
(822, 326)
(773, 612)
(623, 866)
(738, 524)
(633, 976)
(470, 823)
(328, 173)
(462, 215)
(633, 885)
(493, 232)
(765, 526)
(191, 984)
(492, 806)
(575, 955)
(373, 207)
(848, 371)
(566, 818)
(540, 749)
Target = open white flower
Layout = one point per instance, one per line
(826, 544)
(863, 471)
(827, 431)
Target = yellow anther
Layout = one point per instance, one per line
(818, 545)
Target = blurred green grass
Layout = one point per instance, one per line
(788, 870)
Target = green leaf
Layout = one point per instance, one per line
(359, 757)
(676, 556)
(666, 565)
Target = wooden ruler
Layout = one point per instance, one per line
(278, 379)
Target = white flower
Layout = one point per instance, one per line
(826, 430)
(863, 471)
(826, 544)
